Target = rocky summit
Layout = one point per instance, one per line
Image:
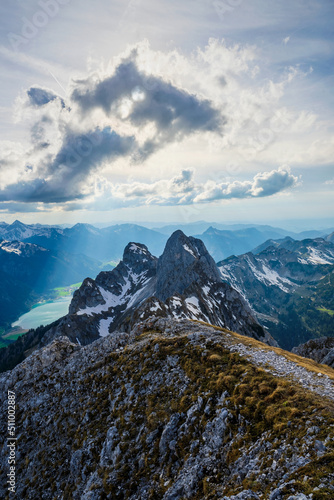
(183, 283)
(171, 410)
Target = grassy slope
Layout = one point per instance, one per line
(66, 291)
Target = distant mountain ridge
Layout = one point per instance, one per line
(200, 227)
(104, 244)
(108, 243)
(284, 283)
(224, 243)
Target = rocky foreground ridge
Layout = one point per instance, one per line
(173, 409)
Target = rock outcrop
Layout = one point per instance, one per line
(321, 350)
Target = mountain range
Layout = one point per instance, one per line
(107, 244)
(286, 283)
(289, 286)
(183, 283)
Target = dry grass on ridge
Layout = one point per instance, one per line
(307, 363)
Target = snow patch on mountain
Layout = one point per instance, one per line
(189, 250)
(104, 327)
(318, 257)
(269, 276)
(11, 248)
(230, 278)
(156, 307)
(20, 248)
(137, 249)
(193, 306)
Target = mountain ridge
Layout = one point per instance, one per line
(281, 284)
(107, 243)
(183, 283)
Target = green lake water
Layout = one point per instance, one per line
(44, 314)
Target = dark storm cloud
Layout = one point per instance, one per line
(174, 111)
(64, 177)
(14, 207)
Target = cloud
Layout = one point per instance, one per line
(263, 184)
(70, 143)
(64, 177)
(39, 96)
(177, 190)
(217, 102)
(144, 99)
(14, 207)
(182, 189)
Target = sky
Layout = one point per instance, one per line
(167, 111)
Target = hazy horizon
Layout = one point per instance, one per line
(288, 225)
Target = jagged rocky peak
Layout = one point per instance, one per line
(115, 288)
(136, 255)
(88, 295)
(185, 261)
